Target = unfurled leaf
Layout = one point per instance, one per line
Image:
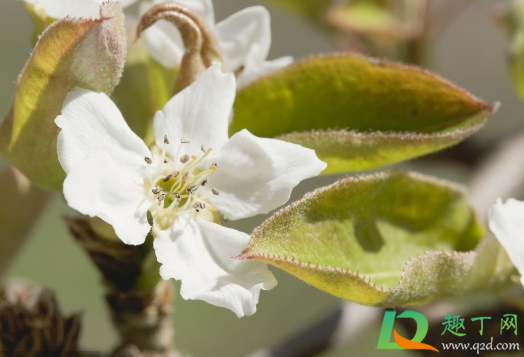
(383, 240)
(359, 113)
(146, 86)
(70, 53)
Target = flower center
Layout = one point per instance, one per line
(178, 185)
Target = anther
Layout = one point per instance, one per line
(203, 148)
(191, 189)
(194, 157)
(185, 141)
(148, 160)
(166, 140)
(165, 161)
(161, 196)
(204, 182)
(177, 195)
(156, 190)
(214, 165)
(215, 192)
(176, 173)
(184, 159)
(199, 205)
(167, 178)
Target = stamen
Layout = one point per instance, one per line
(177, 195)
(176, 173)
(166, 140)
(148, 160)
(184, 159)
(191, 189)
(167, 178)
(199, 205)
(204, 182)
(215, 192)
(185, 141)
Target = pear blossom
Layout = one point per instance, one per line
(190, 178)
(506, 221)
(74, 8)
(244, 38)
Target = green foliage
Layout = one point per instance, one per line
(145, 87)
(359, 113)
(383, 240)
(70, 53)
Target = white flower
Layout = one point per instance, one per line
(506, 221)
(74, 8)
(244, 37)
(187, 179)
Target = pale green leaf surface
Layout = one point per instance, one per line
(70, 53)
(383, 240)
(359, 113)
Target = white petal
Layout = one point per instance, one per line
(246, 33)
(74, 8)
(199, 113)
(163, 40)
(254, 70)
(201, 255)
(506, 221)
(62, 8)
(91, 121)
(99, 186)
(256, 175)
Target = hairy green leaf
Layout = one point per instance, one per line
(359, 113)
(70, 53)
(385, 240)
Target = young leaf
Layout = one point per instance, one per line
(385, 240)
(70, 53)
(359, 113)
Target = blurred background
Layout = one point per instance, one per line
(470, 51)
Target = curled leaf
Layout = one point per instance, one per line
(359, 113)
(384, 240)
(70, 53)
